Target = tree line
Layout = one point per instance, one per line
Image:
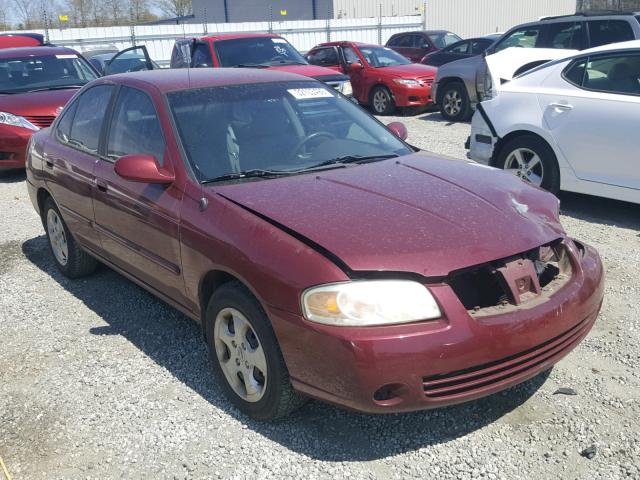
(41, 14)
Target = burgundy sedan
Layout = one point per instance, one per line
(35, 84)
(322, 255)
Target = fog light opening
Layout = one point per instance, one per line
(390, 394)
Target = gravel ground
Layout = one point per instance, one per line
(98, 379)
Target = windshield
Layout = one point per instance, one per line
(257, 51)
(25, 74)
(444, 39)
(278, 127)
(383, 57)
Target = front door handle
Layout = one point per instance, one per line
(48, 161)
(101, 185)
(561, 106)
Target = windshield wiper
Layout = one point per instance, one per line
(287, 62)
(346, 159)
(251, 65)
(254, 173)
(58, 87)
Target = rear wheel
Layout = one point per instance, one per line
(381, 101)
(455, 105)
(531, 159)
(246, 355)
(70, 259)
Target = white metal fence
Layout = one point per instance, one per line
(465, 17)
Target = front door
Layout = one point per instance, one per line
(139, 222)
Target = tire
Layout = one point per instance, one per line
(454, 103)
(237, 354)
(521, 150)
(70, 259)
(381, 101)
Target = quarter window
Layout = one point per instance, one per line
(89, 116)
(63, 129)
(135, 128)
(617, 74)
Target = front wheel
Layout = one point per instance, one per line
(531, 159)
(246, 355)
(455, 105)
(382, 102)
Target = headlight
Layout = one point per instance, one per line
(366, 303)
(16, 121)
(406, 81)
(346, 88)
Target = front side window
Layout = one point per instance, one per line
(46, 72)
(604, 32)
(281, 127)
(350, 55)
(202, 56)
(135, 128)
(89, 116)
(461, 48)
(327, 57)
(523, 38)
(479, 46)
(403, 41)
(265, 51)
(443, 40)
(379, 57)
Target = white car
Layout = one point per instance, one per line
(571, 124)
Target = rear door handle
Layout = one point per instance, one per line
(101, 185)
(561, 106)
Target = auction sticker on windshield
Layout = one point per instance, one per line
(306, 93)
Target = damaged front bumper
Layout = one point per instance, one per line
(457, 358)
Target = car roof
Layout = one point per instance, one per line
(614, 46)
(234, 36)
(42, 51)
(591, 14)
(427, 32)
(172, 79)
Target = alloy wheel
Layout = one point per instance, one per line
(57, 237)
(240, 354)
(380, 101)
(525, 164)
(452, 102)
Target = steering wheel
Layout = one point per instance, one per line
(308, 138)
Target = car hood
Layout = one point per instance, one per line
(419, 214)
(413, 70)
(36, 103)
(312, 71)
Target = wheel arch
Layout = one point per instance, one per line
(515, 134)
(443, 83)
(376, 85)
(41, 197)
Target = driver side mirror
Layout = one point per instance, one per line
(399, 130)
(142, 168)
(352, 67)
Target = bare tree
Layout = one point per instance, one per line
(26, 12)
(174, 8)
(115, 11)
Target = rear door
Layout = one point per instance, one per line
(71, 158)
(601, 101)
(138, 222)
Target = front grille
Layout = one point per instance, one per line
(475, 379)
(42, 121)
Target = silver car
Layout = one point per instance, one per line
(460, 85)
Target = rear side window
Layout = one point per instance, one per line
(526, 37)
(565, 35)
(479, 46)
(406, 41)
(89, 116)
(604, 32)
(618, 74)
(460, 48)
(326, 57)
(135, 128)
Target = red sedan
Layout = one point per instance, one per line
(380, 77)
(35, 84)
(322, 255)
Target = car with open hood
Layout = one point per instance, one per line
(380, 77)
(35, 85)
(321, 254)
